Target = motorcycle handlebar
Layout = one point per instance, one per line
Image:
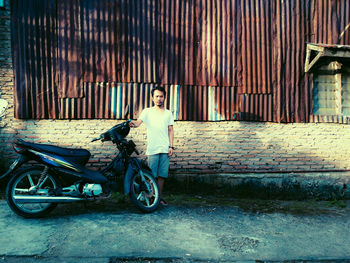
(96, 139)
(126, 123)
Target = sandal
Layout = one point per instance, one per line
(163, 202)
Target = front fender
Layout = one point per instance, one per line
(128, 176)
(135, 165)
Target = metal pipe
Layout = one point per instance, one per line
(25, 199)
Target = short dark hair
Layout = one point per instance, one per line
(158, 88)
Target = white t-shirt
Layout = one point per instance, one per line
(157, 123)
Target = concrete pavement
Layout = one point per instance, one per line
(195, 230)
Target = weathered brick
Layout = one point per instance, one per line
(105, 160)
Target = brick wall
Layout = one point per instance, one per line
(201, 146)
(205, 146)
(6, 72)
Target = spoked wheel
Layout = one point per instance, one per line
(145, 192)
(30, 183)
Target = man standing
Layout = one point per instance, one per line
(160, 136)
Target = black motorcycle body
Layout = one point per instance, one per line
(63, 177)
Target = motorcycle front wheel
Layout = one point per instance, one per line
(144, 192)
(25, 184)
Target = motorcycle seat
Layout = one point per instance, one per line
(78, 155)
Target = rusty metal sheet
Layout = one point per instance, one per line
(168, 42)
(70, 71)
(196, 103)
(293, 19)
(105, 39)
(257, 46)
(108, 101)
(331, 22)
(218, 59)
(34, 50)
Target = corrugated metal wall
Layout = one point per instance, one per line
(69, 72)
(169, 42)
(293, 20)
(34, 46)
(219, 59)
(197, 103)
(257, 36)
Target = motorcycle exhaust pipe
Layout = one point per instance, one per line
(25, 199)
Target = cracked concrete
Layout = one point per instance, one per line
(106, 231)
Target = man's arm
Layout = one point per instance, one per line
(135, 124)
(171, 139)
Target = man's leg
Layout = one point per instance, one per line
(161, 181)
(153, 163)
(163, 173)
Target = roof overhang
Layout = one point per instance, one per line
(320, 54)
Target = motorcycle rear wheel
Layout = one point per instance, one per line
(22, 183)
(144, 192)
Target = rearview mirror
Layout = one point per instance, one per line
(126, 111)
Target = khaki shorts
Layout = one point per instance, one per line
(159, 164)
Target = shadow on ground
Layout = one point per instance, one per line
(256, 206)
(306, 207)
(120, 203)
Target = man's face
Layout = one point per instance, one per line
(158, 98)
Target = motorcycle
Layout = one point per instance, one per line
(62, 176)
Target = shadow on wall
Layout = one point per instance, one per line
(207, 147)
(213, 148)
(242, 147)
(262, 160)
